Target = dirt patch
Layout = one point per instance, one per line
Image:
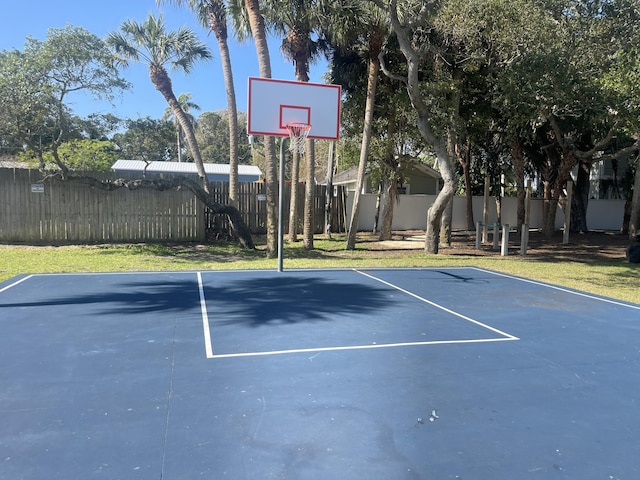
(591, 247)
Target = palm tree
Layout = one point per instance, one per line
(184, 99)
(213, 14)
(375, 24)
(293, 22)
(151, 43)
(248, 20)
(302, 23)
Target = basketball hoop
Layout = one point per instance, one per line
(298, 133)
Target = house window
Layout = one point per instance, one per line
(403, 188)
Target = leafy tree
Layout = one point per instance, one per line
(99, 126)
(147, 139)
(36, 83)
(558, 89)
(433, 92)
(213, 136)
(87, 155)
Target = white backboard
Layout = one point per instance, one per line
(272, 103)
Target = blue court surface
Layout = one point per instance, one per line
(456, 373)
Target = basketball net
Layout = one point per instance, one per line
(298, 133)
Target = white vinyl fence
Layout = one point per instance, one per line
(410, 212)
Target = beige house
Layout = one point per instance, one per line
(419, 179)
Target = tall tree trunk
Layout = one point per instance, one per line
(445, 224)
(389, 198)
(549, 207)
(376, 215)
(518, 168)
(256, 21)
(218, 25)
(162, 82)
(309, 196)
(557, 192)
(434, 213)
(424, 114)
(271, 192)
(179, 141)
(452, 144)
(293, 201)
(392, 173)
(580, 201)
(328, 203)
(372, 80)
(634, 222)
(464, 159)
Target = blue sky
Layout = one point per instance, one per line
(205, 83)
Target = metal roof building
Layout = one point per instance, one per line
(216, 172)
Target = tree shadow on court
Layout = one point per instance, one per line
(130, 298)
(287, 300)
(253, 302)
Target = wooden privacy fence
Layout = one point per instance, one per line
(36, 211)
(253, 206)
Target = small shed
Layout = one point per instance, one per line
(216, 172)
(419, 179)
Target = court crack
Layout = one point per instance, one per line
(169, 398)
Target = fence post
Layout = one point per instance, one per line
(524, 239)
(505, 240)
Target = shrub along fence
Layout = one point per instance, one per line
(50, 211)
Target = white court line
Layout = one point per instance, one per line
(360, 347)
(210, 354)
(15, 283)
(418, 297)
(205, 319)
(561, 289)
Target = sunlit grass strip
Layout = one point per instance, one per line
(616, 279)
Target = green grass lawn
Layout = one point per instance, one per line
(616, 278)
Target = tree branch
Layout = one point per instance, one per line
(389, 73)
(597, 148)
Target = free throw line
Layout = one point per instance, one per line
(360, 347)
(210, 354)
